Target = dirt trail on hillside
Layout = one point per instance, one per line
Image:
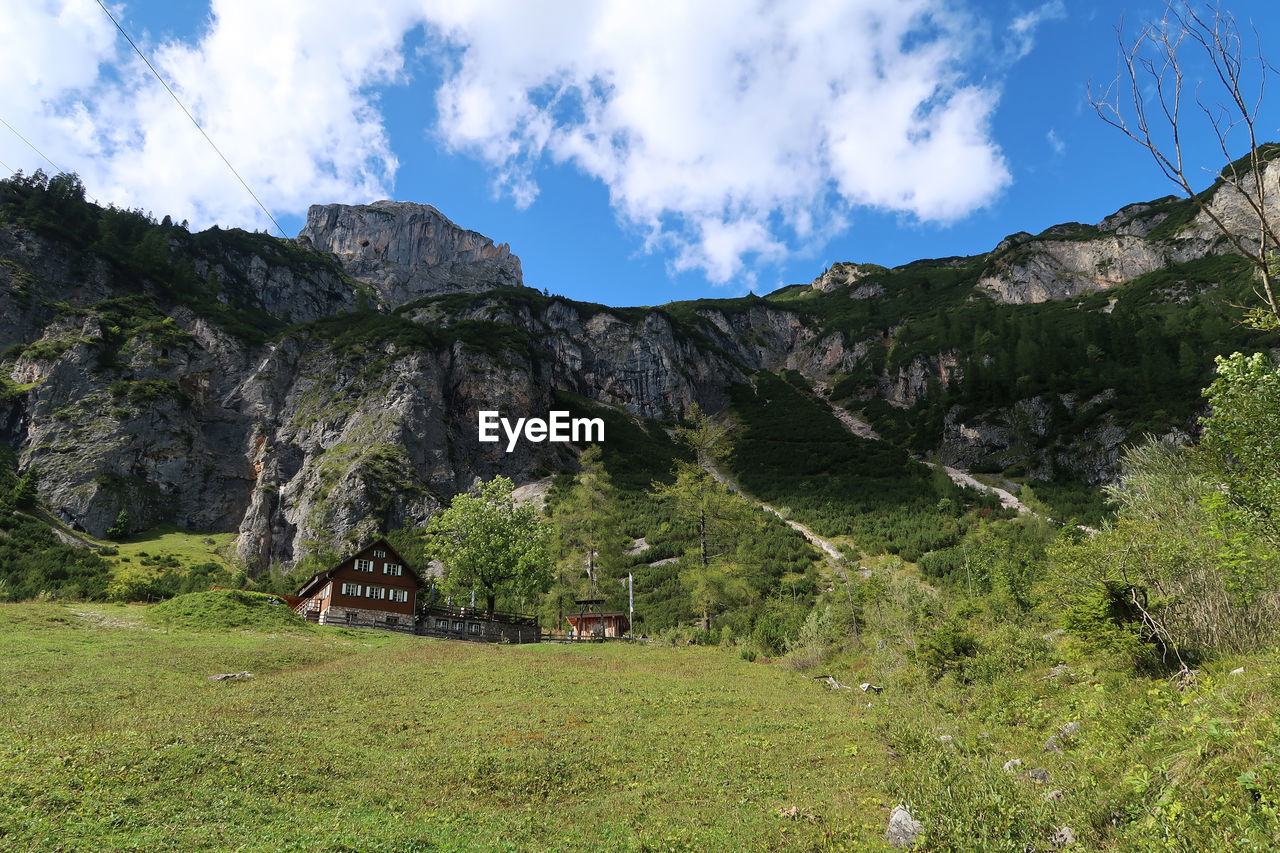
(961, 478)
(830, 551)
(862, 429)
(851, 422)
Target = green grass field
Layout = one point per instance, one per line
(115, 739)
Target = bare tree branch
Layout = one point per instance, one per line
(1157, 61)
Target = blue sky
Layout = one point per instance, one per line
(629, 153)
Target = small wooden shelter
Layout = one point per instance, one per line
(599, 625)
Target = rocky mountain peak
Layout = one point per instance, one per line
(406, 250)
(843, 274)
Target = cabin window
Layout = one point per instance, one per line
(393, 620)
(442, 624)
(364, 565)
(473, 628)
(457, 626)
(377, 592)
(351, 589)
(399, 595)
(382, 555)
(392, 569)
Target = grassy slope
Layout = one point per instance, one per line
(115, 739)
(187, 547)
(1155, 765)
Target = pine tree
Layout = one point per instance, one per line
(711, 577)
(588, 532)
(120, 529)
(24, 492)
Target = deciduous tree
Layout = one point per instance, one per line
(488, 543)
(1239, 437)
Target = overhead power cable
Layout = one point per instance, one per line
(177, 101)
(56, 167)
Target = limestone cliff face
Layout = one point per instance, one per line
(1041, 270)
(910, 383)
(1069, 261)
(322, 433)
(1001, 439)
(407, 250)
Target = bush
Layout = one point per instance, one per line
(947, 648)
(818, 634)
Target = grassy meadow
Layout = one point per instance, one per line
(116, 739)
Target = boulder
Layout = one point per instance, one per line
(903, 828)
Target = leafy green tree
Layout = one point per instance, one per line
(711, 578)
(487, 542)
(1239, 437)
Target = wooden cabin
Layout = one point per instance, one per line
(373, 588)
(588, 625)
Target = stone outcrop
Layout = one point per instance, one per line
(844, 275)
(1041, 270)
(910, 383)
(903, 828)
(406, 251)
(1030, 433)
(1069, 261)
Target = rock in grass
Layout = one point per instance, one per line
(227, 675)
(1038, 775)
(1057, 672)
(903, 828)
(1063, 837)
(1012, 765)
(1053, 745)
(1070, 730)
(1055, 795)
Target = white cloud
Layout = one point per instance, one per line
(1055, 142)
(727, 134)
(723, 132)
(1022, 30)
(282, 88)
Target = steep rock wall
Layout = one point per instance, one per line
(406, 251)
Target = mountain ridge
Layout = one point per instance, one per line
(309, 393)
